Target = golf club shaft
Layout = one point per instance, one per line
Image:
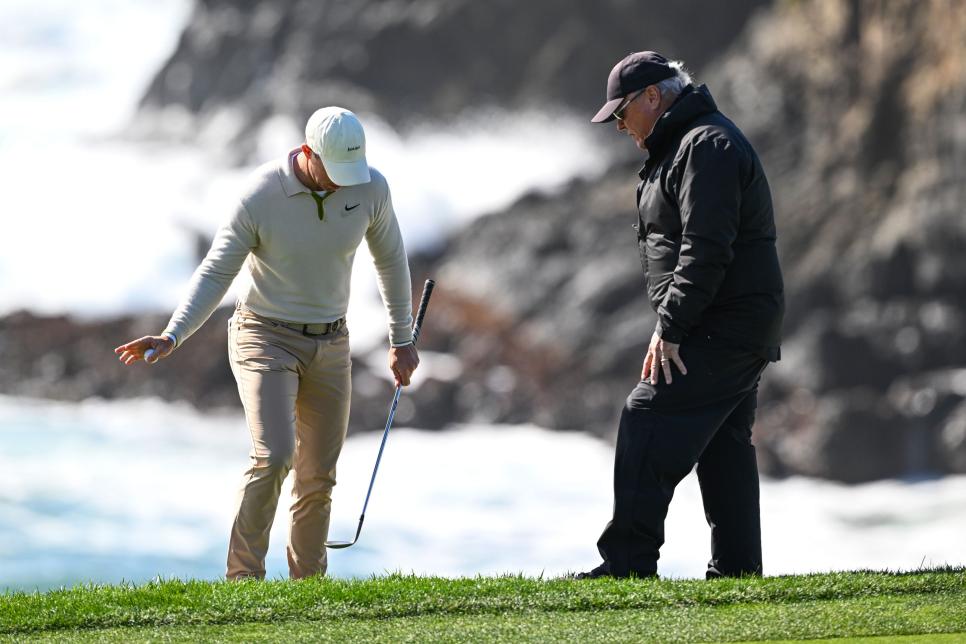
(420, 314)
(382, 446)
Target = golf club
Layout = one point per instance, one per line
(423, 303)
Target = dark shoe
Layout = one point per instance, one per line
(715, 573)
(603, 570)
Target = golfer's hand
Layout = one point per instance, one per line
(660, 355)
(134, 350)
(403, 362)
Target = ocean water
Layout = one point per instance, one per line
(111, 491)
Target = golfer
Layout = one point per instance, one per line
(706, 234)
(298, 224)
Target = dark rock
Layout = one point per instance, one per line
(853, 439)
(59, 357)
(954, 440)
(411, 61)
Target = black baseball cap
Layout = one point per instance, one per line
(636, 71)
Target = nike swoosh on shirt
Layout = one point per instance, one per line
(348, 207)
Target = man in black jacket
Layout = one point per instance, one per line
(706, 233)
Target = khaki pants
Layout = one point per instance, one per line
(295, 390)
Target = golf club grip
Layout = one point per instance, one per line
(423, 303)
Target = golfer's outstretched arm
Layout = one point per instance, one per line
(211, 280)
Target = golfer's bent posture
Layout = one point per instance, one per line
(706, 234)
(298, 225)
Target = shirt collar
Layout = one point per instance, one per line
(286, 174)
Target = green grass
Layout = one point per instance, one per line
(930, 605)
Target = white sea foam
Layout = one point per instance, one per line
(71, 70)
(130, 490)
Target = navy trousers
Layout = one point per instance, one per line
(703, 418)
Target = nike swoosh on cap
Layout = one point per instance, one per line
(348, 207)
(354, 149)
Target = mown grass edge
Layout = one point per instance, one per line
(185, 603)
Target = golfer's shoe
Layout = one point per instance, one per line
(603, 570)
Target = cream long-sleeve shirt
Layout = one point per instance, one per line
(300, 265)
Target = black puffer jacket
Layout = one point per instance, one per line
(707, 230)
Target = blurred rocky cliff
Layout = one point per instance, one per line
(240, 62)
(857, 108)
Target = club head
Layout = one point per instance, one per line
(338, 545)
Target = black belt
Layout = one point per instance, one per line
(323, 328)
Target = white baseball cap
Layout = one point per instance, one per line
(336, 135)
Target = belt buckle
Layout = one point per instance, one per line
(327, 327)
(306, 327)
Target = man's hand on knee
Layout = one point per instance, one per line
(660, 355)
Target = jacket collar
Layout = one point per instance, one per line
(693, 103)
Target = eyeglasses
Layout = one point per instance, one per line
(619, 112)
